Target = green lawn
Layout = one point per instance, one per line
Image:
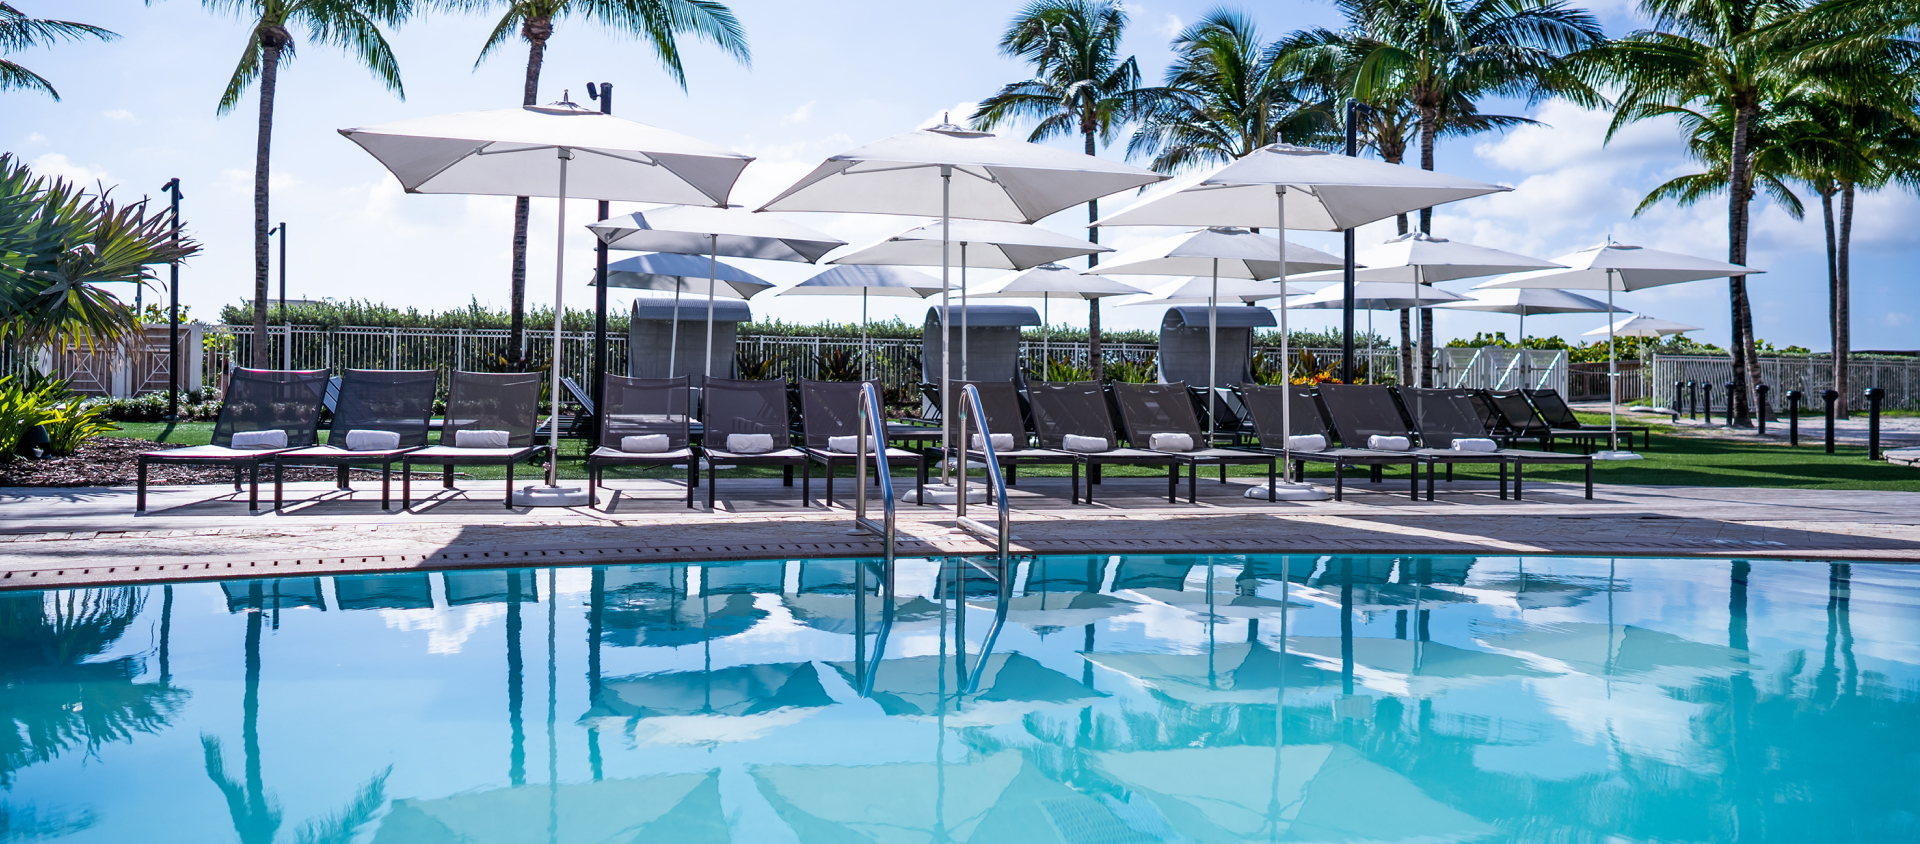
(1672, 460)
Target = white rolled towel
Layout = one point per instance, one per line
(275, 438)
(645, 443)
(1168, 441)
(471, 438)
(1381, 442)
(749, 443)
(1084, 445)
(362, 439)
(848, 445)
(1475, 444)
(1001, 442)
(1307, 442)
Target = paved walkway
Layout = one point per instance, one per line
(90, 536)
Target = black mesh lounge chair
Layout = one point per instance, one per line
(1263, 406)
(1362, 411)
(482, 401)
(1443, 416)
(1149, 409)
(1001, 402)
(730, 407)
(832, 409)
(257, 400)
(399, 401)
(641, 407)
(1554, 411)
(1519, 421)
(1079, 408)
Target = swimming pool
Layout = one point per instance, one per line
(1103, 699)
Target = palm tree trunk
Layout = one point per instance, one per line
(1406, 346)
(1429, 124)
(1842, 299)
(536, 31)
(1739, 194)
(273, 39)
(1827, 189)
(1095, 365)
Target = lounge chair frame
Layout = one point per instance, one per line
(256, 400)
(831, 409)
(507, 401)
(1309, 417)
(399, 400)
(1081, 408)
(1148, 409)
(641, 406)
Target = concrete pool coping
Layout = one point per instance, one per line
(89, 536)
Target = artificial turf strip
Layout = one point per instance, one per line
(1671, 461)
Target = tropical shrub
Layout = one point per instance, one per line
(195, 405)
(70, 424)
(21, 408)
(1133, 370)
(838, 365)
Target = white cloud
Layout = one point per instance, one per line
(34, 138)
(120, 114)
(801, 114)
(59, 166)
(956, 115)
(1895, 319)
(1171, 25)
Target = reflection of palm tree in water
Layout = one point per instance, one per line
(256, 815)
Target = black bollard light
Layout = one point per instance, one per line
(1679, 398)
(1874, 395)
(1763, 390)
(1831, 396)
(1793, 416)
(1693, 399)
(1727, 410)
(1706, 399)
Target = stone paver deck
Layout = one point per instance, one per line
(70, 537)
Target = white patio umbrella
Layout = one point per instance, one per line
(685, 274)
(1421, 258)
(731, 231)
(1217, 252)
(1048, 282)
(1373, 296)
(1641, 325)
(1323, 192)
(1613, 267)
(1524, 302)
(994, 245)
(998, 179)
(528, 152)
(863, 280)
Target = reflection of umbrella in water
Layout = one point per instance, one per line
(1056, 610)
(1234, 672)
(835, 613)
(1532, 592)
(1416, 667)
(278, 593)
(993, 798)
(725, 704)
(667, 807)
(485, 587)
(1601, 649)
(1323, 792)
(383, 591)
(668, 621)
(1009, 684)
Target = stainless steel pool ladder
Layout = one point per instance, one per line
(873, 423)
(1001, 534)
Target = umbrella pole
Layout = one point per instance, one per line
(946, 327)
(963, 314)
(1046, 329)
(1213, 355)
(865, 347)
(1613, 376)
(713, 257)
(1286, 358)
(1522, 343)
(673, 334)
(559, 312)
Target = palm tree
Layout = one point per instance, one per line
(19, 32)
(659, 23)
(1227, 95)
(1080, 85)
(353, 26)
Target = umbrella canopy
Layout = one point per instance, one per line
(1619, 268)
(994, 178)
(684, 274)
(1641, 325)
(1418, 256)
(1326, 192)
(1231, 672)
(1403, 666)
(513, 152)
(1614, 650)
(730, 232)
(1241, 253)
(1375, 296)
(1198, 290)
(983, 243)
(857, 280)
(1530, 301)
(1053, 281)
(665, 807)
(1010, 685)
(1056, 609)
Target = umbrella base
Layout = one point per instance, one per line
(1616, 455)
(539, 495)
(1285, 491)
(947, 494)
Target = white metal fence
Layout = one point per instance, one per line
(1900, 377)
(1495, 368)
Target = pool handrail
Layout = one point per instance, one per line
(971, 410)
(873, 423)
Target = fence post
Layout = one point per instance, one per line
(1831, 396)
(1793, 417)
(1874, 395)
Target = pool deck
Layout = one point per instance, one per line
(70, 537)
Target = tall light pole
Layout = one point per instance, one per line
(604, 94)
(286, 346)
(173, 310)
(1355, 108)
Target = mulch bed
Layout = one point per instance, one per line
(109, 461)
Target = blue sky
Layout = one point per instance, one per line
(825, 77)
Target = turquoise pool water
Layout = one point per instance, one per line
(1102, 699)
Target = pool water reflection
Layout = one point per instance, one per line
(1093, 699)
